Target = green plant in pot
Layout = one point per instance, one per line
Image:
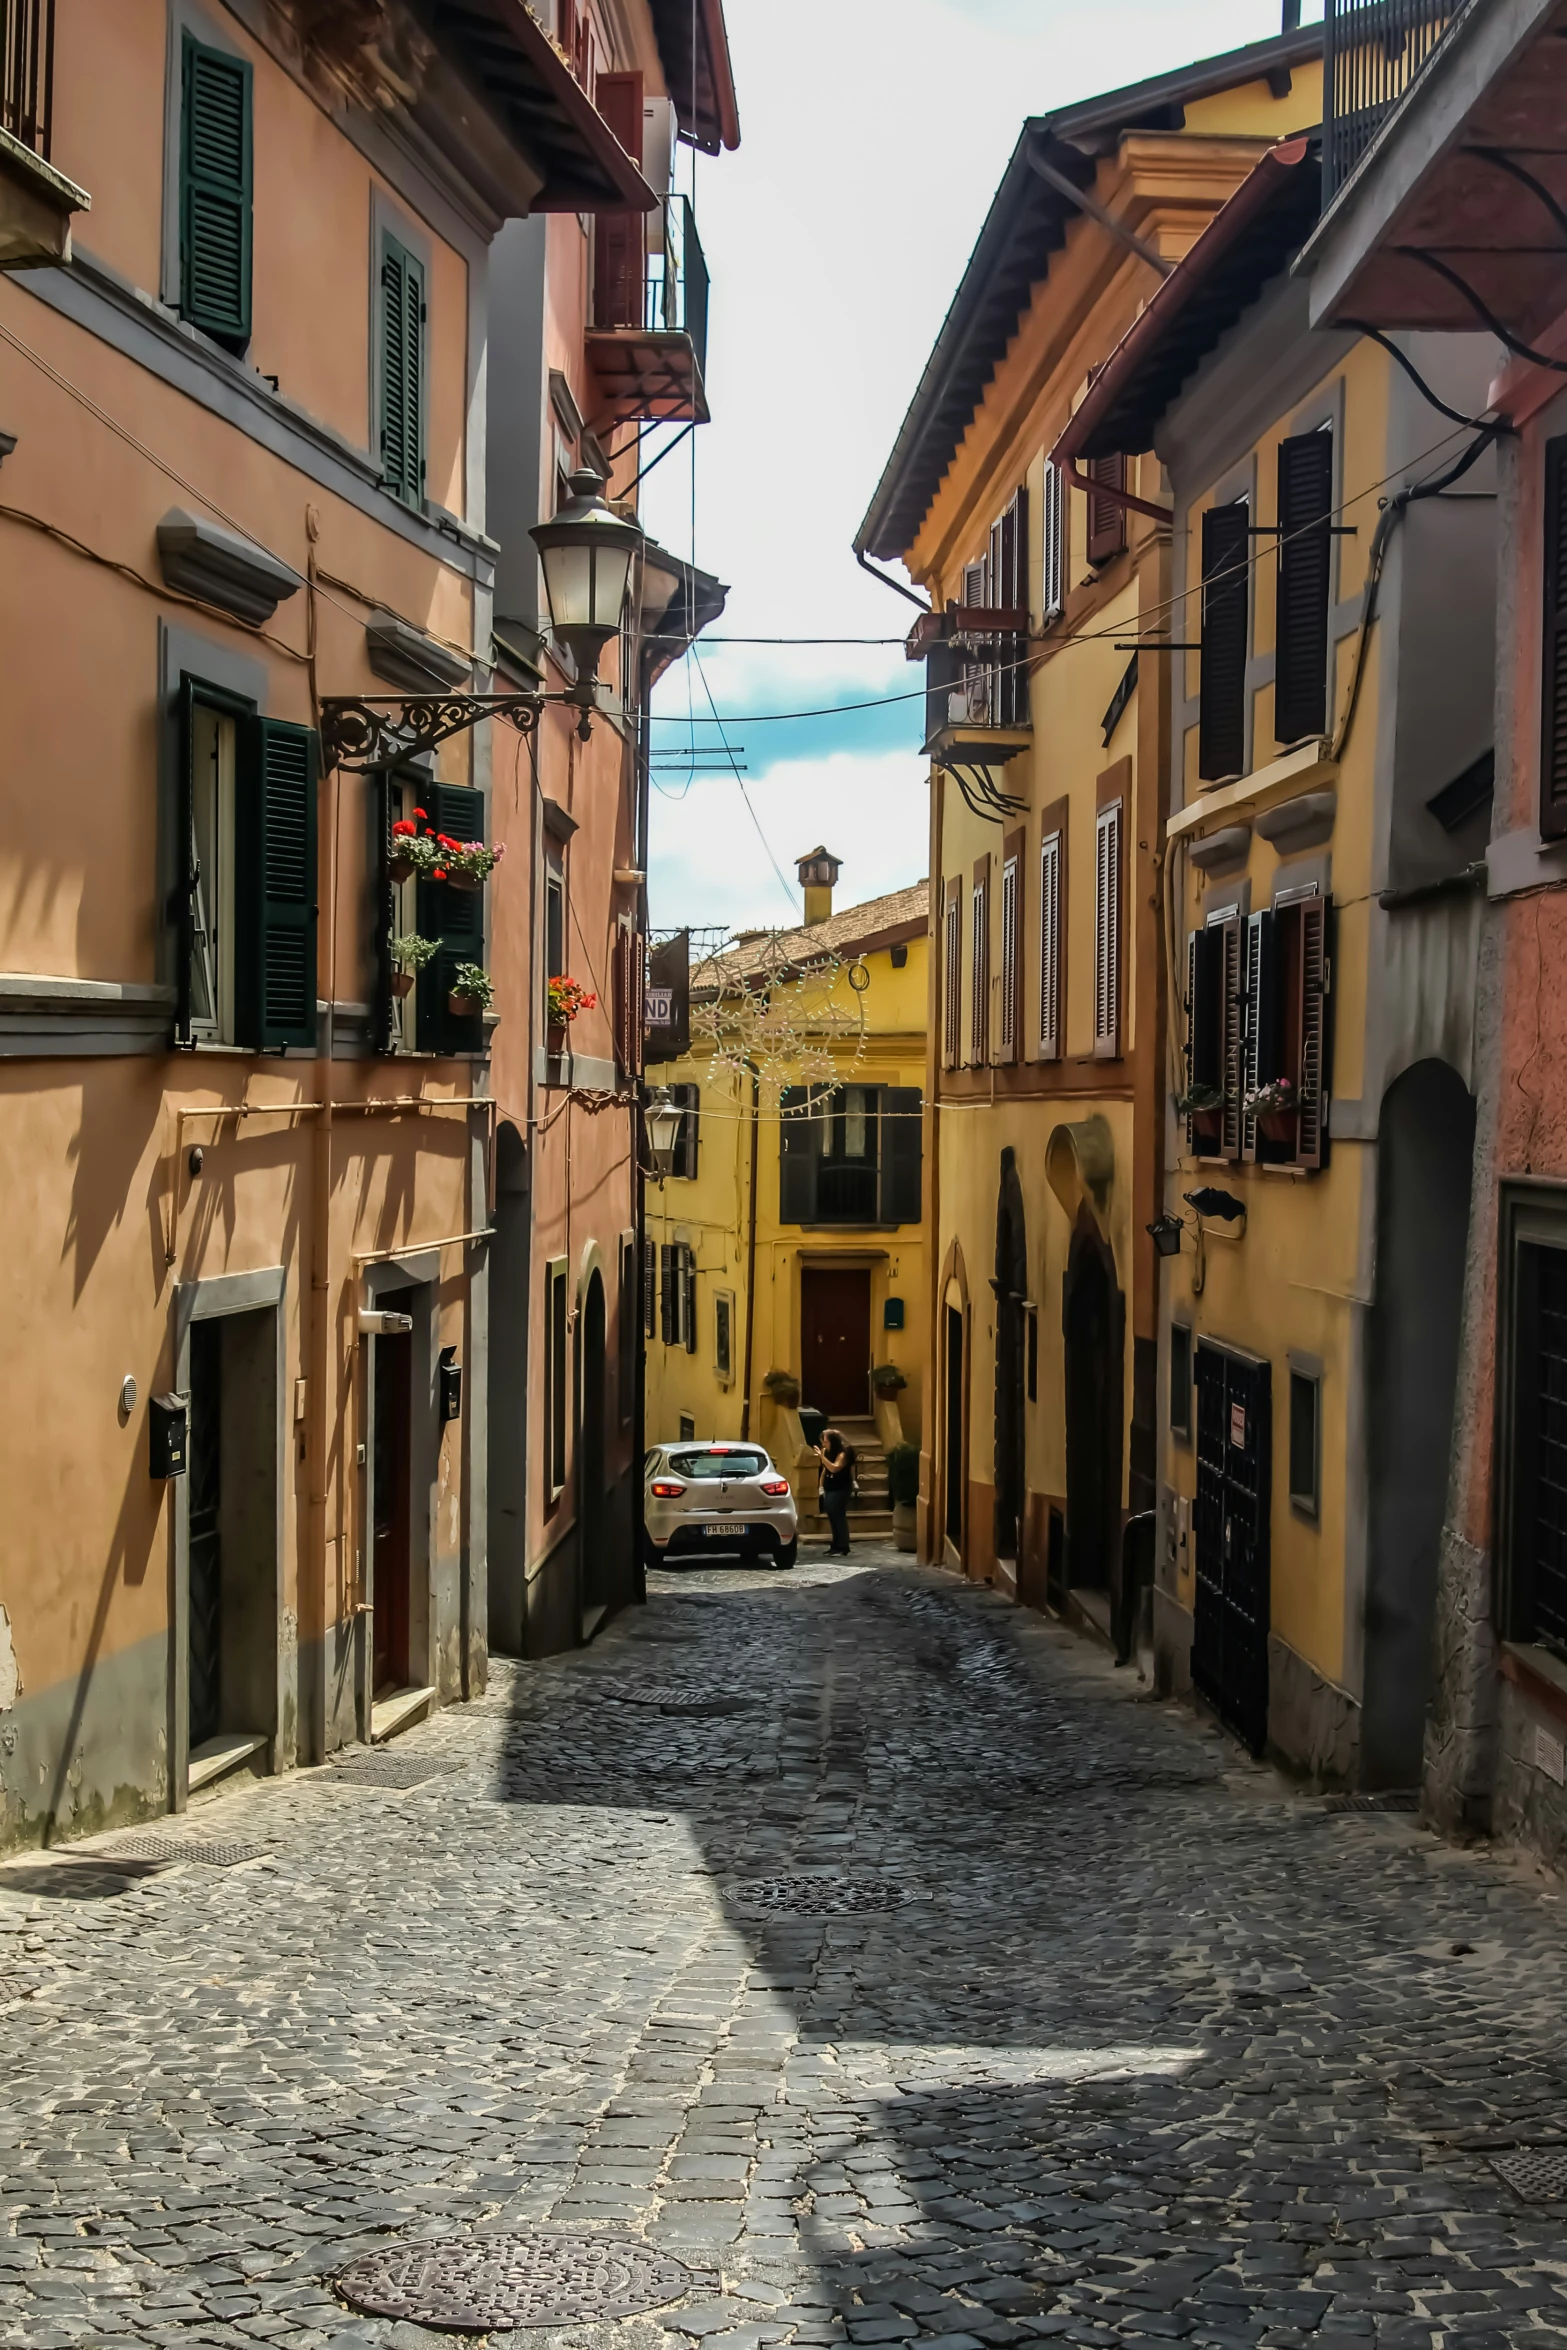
(409, 955)
(784, 1388)
(888, 1380)
(903, 1491)
(472, 991)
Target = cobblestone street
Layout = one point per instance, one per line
(878, 1952)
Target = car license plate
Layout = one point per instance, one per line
(728, 1527)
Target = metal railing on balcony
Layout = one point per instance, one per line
(27, 79)
(651, 273)
(1373, 51)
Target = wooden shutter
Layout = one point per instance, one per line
(902, 1154)
(1300, 692)
(952, 978)
(275, 886)
(454, 918)
(1052, 594)
(1193, 1054)
(976, 680)
(649, 1289)
(1232, 1030)
(686, 1159)
(1259, 1049)
(1011, 694)
(1050, 947)
(1553, 755)
(181, 908)
(799, 1155)
(979, 971)
(619, 238)
(1315, 981)
(216, 171)
(1011, 951)
(1106, 516)
(1108, 974)
(1226, 564)
(403, 314)
(687, 1298)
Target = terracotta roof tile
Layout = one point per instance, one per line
(840, 934)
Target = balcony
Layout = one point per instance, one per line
(1374, 50)
(647, 344)
(36, 201)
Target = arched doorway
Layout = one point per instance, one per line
(598, 1576)
(1425, 1149)
(508, 1399)
(1011, 1296)
(1093, 1325)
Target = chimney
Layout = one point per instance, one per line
(818, 870)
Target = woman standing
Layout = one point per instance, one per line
(837, 1485)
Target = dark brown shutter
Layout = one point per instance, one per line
(979, 969)
(1106, 516)
(1259, 1051)
(1315, 978)
(688, 1148)
(1300, 693)
(669, 1294)
(618, 237)
(1014, 596)
(1053, 543)
(1232, 934)
(902, 1154)
(1226, 554)
(799, 1155)
(1011, 948)
(1205, 1035)
(1108, 977)
(952, 978)
(1050, 947)
(1553, 755)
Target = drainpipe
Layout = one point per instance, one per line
(639, 1150)
(750, 1254)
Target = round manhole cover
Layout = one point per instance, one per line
(492, 2284)
(819, 1897)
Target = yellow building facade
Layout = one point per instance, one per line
(786, 1255)
(1049, 734)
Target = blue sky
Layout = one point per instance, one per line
(875, 132)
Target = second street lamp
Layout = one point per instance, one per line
(663, 1117)
(586, 551)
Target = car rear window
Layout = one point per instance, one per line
(709, 1466)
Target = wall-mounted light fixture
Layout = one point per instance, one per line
(1165, 1233)
(661, 1115)
(586, 551)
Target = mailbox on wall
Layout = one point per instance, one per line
(168, 1435)
(892, 1314)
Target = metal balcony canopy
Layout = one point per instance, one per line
(1454, 218)
(1026, 224)
(507, 53)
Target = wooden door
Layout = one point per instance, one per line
(835, 1341)
(205, 1546)
(390, 1594)
(1231, 1524)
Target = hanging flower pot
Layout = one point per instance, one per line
(555, 1039)
(461, 1006)
(1278, 1125)
(399, 867)
(455, 879)
(403, 982)
(472, 991)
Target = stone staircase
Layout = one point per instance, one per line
(870, 1516)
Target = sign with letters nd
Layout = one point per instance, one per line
(660, 1012)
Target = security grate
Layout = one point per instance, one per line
(691, 1698)
(212, 1855)
(1536, 2174)
(818, 1897)
(485, 2284)
(1392, 1799)
(375, 1768)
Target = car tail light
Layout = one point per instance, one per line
(769, 1485)
(666, 1488)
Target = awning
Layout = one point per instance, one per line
(504, 48)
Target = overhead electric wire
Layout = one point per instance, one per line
(740, 783)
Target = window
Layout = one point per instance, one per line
(554, 924)
(979, 968)
(850, 1155)
(629, 971)
(723, 1335)
(1053, 543)
(1553, 756)
(1215, 1037)
(1051, 908)
(1011, 949)
(454, 918)
(626, 1326)
(1226, 608)
(216, 170)
(401, 327)
(649, 1289)
(1106, 514)
(687, 1428)
(687, 1283)
(717, 1463)
(1181, 1380)
(1108, 925)
(556, 1393)
(245, 910)
(1283, 1078)
(688, 1142)
(1305, 1441)
(1008, 581)
(677, 1304)
(1300, 691)
(1536, 1513)
(952, 978)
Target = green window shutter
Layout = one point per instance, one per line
(216, 166)
(454, 918)
(402, 372)
(275, 913)
(182, 894)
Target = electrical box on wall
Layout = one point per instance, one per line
(168, 1435)
(451, 1384)
(892, 1314)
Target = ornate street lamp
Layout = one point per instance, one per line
(662, 1115)
(586, 551)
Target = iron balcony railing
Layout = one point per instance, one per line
(652, 274)
(27, 81)
(1373, 51)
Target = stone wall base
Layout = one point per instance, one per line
(1313, 1725)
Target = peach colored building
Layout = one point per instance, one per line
(247, 439)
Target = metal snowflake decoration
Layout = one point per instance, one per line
(790, 1021)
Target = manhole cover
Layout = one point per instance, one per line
(684, 1697)
(1536, 2174)
(1394, 1799)
(819, 1897)
(485, 2284)
(212, 1855)
(376, 1769)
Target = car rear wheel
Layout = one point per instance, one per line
(787, 1553)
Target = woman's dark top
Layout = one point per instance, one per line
(838, 1474)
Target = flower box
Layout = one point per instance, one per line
(1279, 1125)
(472, 882)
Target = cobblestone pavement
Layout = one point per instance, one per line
(877, 1951)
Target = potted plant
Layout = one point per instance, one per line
(888, 1380)
(472, 991)
(567, 997)
(903, 1491)
(784, 1388)
(466, 864)
(409, 955)
(407, 851)
(1276, 1108)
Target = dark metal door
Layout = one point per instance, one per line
(206, 1555)
(390, 1595)
(835, 1340)
(956, 1470)
(1231, 1523)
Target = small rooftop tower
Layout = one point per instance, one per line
(818, 870)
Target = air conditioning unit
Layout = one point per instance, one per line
(660, 130)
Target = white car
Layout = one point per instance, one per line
(702, 1499)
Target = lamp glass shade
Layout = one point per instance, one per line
(586, 551)
(662, 1116)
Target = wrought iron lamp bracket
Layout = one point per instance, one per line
(367, 731)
